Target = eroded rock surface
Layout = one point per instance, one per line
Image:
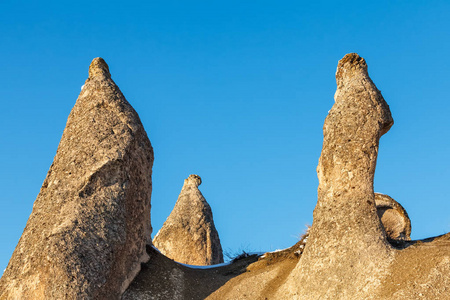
(347, 255)
(189, 235)
(347, 243)
(394, 218)
(163, 279)
(86, 235)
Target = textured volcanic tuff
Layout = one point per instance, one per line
(347, 243)
(189, 235)
(86, 235)
(394, 218)
(347, 255)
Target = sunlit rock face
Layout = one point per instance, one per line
(347, 247)
(86, 235)
(394, 218)
(358, 246)
(189, 235)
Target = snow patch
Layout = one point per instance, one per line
(156, 249)
(205, 267)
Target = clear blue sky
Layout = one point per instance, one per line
(235, 92)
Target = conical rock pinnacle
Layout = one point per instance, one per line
(189, 235)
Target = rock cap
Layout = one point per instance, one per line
(99, 67)
(193, 180)
(349, 65)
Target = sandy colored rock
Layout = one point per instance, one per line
(420, 270)
(347, 252)
(394, 218)
(189, 235)
(347, 255)
(263, 278)
(86, 235)
(164, 279)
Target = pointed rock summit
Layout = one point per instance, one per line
(86, 235)
(188, 235)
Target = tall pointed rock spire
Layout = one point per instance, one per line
(347, 248)
(346, 254)
(189, 235)
(86, 235)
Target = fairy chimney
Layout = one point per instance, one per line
(347, 255)
(347, 243)
(86, 235)
(189, 235)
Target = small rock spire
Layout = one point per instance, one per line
(189, 235)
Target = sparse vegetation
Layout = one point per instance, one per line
(233, 256)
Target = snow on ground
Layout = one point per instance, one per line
(220, 265)
(205, 267)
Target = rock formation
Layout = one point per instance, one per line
(347, 243)
(89, 230)
(394, 218)
(189, 235)
(86, 235)
(163, 279)
(347, 255)
(347, 252)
